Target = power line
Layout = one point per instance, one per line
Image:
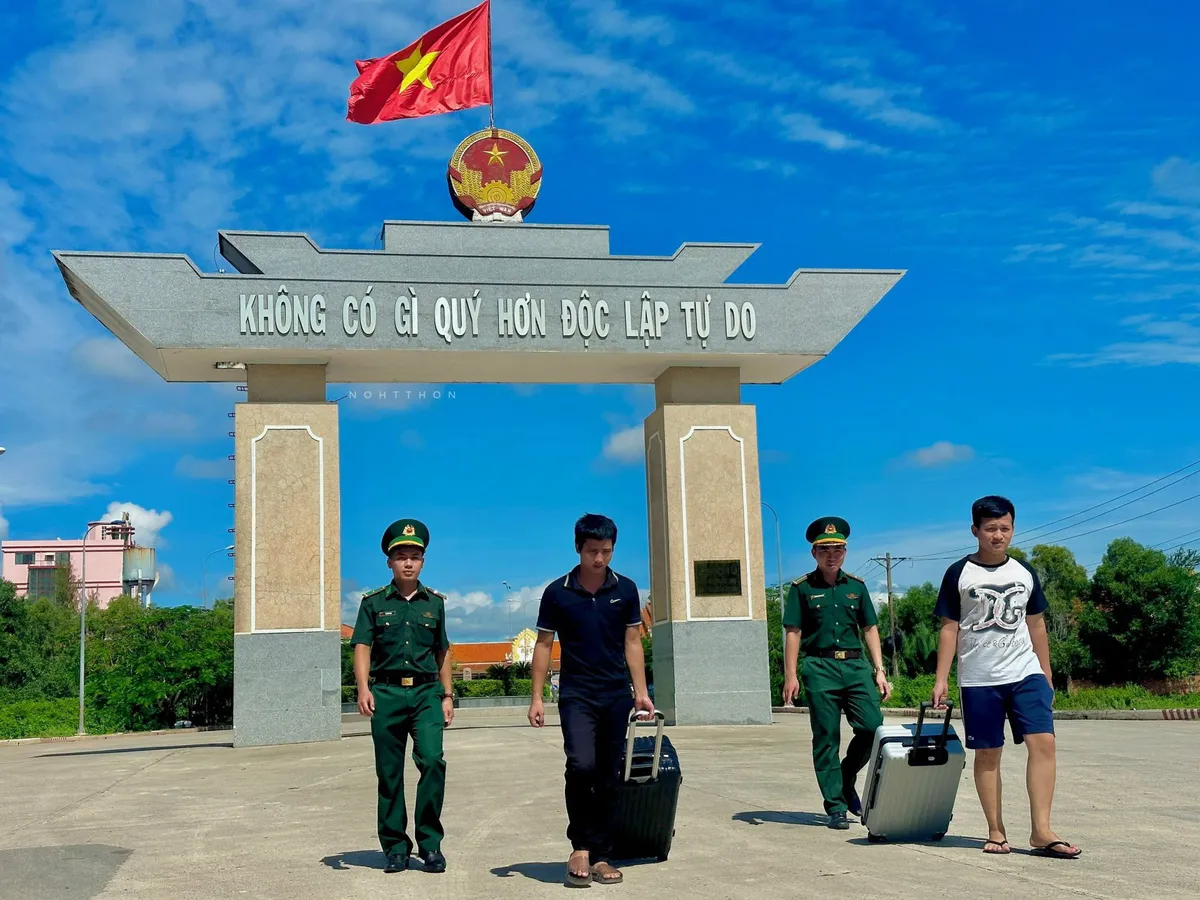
(1115, 508)
(1177, 537)
(941, 554)
(1131, 518)
(1072, 537)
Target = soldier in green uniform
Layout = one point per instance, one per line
(825, 613)
(400, 642)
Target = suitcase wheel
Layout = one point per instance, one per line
(875, 838)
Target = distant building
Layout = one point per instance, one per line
(472, 660)
(116, 565)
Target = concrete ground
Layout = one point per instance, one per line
(187, 816)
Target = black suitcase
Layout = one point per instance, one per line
(647, 795)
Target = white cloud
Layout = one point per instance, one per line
(15, 226)
(879, 104)
(3, 526)
(350, 604)
(189, 467)
(1178, 179)
(626, 445)
(806, 128)
(147, 523)
(166, 576)
(468, 602)
(110, 358)
(1167, 341)
(940, 453)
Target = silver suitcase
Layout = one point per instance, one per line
(912, 780)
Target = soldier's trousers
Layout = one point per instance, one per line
(401, 712)
(831, 687)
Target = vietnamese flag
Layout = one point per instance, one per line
(447, 68)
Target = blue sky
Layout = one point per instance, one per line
(1034, 170)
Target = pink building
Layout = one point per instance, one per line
(115, 564)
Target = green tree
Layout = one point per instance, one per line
(1141, 618)
(775, 647)
(648, 652)
(12, 621)
(1185, 557)
(1065, 584)
(43, 661)
(347, 664)
(66, 587)
(916, 630)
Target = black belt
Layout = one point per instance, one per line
(405, 680)
(838, 654)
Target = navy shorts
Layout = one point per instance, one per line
(1028, 705)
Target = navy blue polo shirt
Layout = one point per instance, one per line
(591, 632)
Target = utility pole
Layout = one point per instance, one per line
(887, 561)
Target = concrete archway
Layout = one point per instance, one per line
(471, 302)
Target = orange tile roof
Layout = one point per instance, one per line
(347, 631)
(487, 653)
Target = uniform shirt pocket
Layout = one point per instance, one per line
(425, 632)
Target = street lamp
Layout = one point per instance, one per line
(507, 605)
(82, 619)
(779, 570)
(204, 573)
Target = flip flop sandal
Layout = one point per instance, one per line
(579, 881)
(599, 870)
(1054, 854)
(1003, 844)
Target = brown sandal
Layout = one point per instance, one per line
(574, 880)
(601, 869)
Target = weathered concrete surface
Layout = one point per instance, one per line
(188, 816)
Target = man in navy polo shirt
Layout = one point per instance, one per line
(597, 615)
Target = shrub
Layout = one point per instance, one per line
(523, 687)
(479, 687)
(51, 718)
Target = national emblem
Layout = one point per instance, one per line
(494, 175)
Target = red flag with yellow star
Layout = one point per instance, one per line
(446, 69)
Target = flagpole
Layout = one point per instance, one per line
(491, 80)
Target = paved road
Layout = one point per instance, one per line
(187, 816)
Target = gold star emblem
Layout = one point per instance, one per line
(496, 155)
(416, 68)
(409, 530)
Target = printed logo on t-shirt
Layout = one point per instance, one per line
(1000, 606)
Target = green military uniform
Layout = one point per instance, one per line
(404, 636)
(834, 669)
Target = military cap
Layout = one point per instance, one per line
(828, 530)
(405, 532)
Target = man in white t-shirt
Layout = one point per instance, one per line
(992, 610)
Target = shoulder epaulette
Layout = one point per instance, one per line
(854, 577)
(800, 580)
(378, 590)
(436, 593)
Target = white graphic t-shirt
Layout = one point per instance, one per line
(990, 604)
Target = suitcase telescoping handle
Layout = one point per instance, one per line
(941, 739)
(634, 718)
(934, 754)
